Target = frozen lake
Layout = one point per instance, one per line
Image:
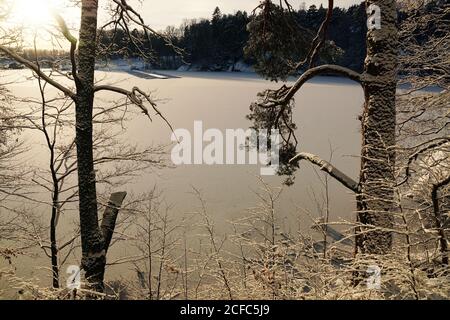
(326, 114)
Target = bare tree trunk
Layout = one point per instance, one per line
(376, 194)
(53, 246)
(440, 220)
(92, 243)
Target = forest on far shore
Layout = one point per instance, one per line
(221, 42)
(217, 43)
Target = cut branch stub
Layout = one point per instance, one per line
(110, 216)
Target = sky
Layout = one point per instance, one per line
(34, 15)
(159, 14)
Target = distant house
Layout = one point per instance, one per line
(46, 64)
(15, 66)
(65, 67)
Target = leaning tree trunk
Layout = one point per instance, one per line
(376, 198)
(92, 244)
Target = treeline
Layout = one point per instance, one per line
(222, 41)
(218, 43)
(43, 54)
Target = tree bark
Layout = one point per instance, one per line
(53, 243)
(376, 198)
(92, 244)
(440, 220)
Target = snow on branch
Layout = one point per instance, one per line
(138, 98)
(311, 73)
(330, 169)
(35, 68)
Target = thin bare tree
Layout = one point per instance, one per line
(83, 55)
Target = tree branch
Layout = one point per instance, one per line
(73, 45)
(416, 154)
(323, 69)
(37, 70)
(129, 14)
(319, 40)
(330, 169)
(135, 96)
(308, 75)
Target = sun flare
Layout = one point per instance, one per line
(35, 13)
